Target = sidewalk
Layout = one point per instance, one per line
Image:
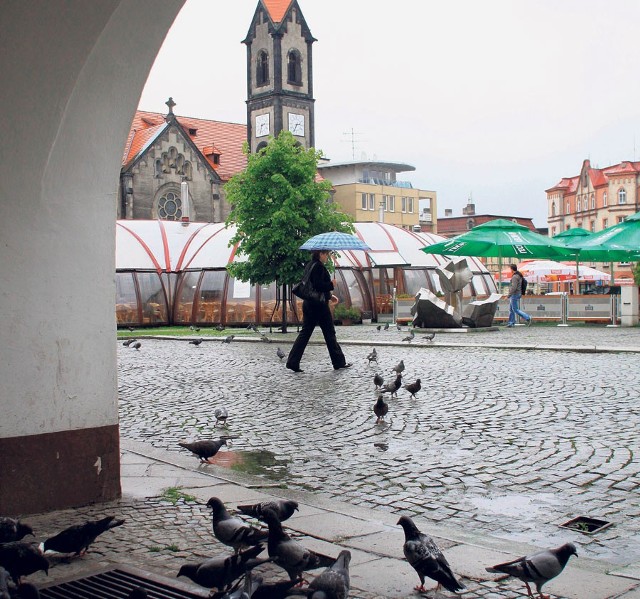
(159, 536)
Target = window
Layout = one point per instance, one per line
(622, 196)
(577, 204)
(294, 68)
(372, 201)
(605, 223)
(364, 203)
(593, 202)
(262, 68)
(593, 226)
(170, 206)
(410, 205)
(568, 208)
(390, 203)
(403, 204)
(553, 231)
(604, 199)
(553, 208)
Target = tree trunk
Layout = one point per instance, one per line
(284, 307)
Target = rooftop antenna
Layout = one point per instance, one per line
(353, 135)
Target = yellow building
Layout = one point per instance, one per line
(369, 191)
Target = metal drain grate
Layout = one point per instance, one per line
(117, 584)
(586, 525)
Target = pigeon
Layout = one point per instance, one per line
(221, 415)
(426, 558)
(378, 381)
(398, 326)
(379, 327)
(399, 367)
(4, 584)
(26, 590)
(250, 586)
(138, 593)
(264, 338)
(380, 409)
(410, 336)
(128, 342)
(77, 538)
(413, 388)
(538, 568)
(373, 356)
(333, 583)
(21, 559)
(274, 590)
(283, 508)
(386, 326)
(196, 329)
(205, 449)
(220, 327)
(228, 339)
(393, 387)
(430, 336)
(231, 530)
(13, 530)
(290, 555)
(280, 354)
(131, 329)
(195, 342)
(136, 345)
(254, 328)
(222, 572)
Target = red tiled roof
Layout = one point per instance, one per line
(226, 138)
(277, 9)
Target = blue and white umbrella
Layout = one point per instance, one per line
(334, 241)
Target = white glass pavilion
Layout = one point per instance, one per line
(167, 273)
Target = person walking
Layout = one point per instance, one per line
(514, 295)
(318, 313)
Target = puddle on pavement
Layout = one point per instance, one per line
(522, 506)
(260, 463)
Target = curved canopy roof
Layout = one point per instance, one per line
(168, 246)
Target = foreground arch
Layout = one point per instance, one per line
(72, 74)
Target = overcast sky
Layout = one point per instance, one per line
(493, 99)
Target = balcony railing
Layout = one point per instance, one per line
(386, 182)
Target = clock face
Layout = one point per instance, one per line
(262, 125)
(296, 124)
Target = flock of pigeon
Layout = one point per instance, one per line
(20, 558)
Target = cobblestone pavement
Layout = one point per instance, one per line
(510, 442)
(161, 535)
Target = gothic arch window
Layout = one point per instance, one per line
(169, 205)
(158, 168)
(593, 201)
(622, 196)
(262, 68)
(261, 146)
(187, 170)
(568, 208)
(294, 67)
(470, 224)
(553, 208)
(604, 198)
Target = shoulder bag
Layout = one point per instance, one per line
(305, 289)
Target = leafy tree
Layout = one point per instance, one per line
(277, 203)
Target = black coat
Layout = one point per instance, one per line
(321, 279)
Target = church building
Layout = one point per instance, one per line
(164, 151)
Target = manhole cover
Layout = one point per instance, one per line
(586, 525)
(117, 584)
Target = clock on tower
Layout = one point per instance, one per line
(296, 124)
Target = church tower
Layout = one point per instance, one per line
(279, 74)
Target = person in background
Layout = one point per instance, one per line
(514, 295)
(318, 313)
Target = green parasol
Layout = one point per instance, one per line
(618, 243)
(570, 236)
(501, 238)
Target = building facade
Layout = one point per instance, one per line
(595, 199)
(370, 191)
(163, 151)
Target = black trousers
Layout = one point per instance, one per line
(316, 313)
